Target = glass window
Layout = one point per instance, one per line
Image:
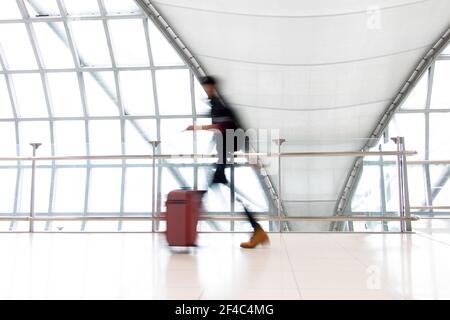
(129, 50)
(205, 139)
(65, 94)
(162, 51)
(367, 197)
(417, 185)
(137, 93)
(7, 190)
(70, 138)
(174, 92)
(30, 96)
(9, 10)
(17, 47)
(174, 138)
(439, 137)
(418, 97)
(5, 102)
(7, 146)
(42, 191)
(440, 97)
(105, 137)
(90, 41)
(101, 94)
(412, 127)
(121, 7)
(104, 190)
(138, 190)
(137, 135)
(249, 189)
(70, 186)
(82, 7)
(35, 132)
(53, 45)
(42, 8)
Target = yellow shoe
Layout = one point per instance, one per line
(259, 237)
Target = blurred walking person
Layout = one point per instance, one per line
(224, 122)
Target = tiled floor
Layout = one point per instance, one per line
(295, 266)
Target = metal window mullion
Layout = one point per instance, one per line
(45, 85)
(13, 101)
(195, 133)
(69, 18)
(155, 224)
(70, 40)
(130, 118)
(96, 68)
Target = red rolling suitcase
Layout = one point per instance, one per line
(182, 217)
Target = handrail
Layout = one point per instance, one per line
(199, 156)
(430, 207)
(209, 217)
(446, 161)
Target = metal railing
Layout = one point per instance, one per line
(405, 217)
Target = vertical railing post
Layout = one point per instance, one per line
(406, 205)
(279, 142)
(154, 144)
(35, 146)
(405, 226)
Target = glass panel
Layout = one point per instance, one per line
(17, 47)
(249, 189)
(35, 132)
(137, 93)
(417, 185)
(174, 140)
(138, 190)
(162, 51)
(418, 97)
(7, 190)
(136, 137)
(121, 7)
(439, 137)
(65, 93)
(129, 50)
(52, 41)
(5, 102)
(30, 96)
(82, 7)
(42, 8)
(391, 188)
(7, 146)
(101, 94)
(105, 137)
(205, 139)
(174, 94)
(440, 97)
(412, 127)
(367, 197)
(104, 191)
(42, 191)
(90, 41)
(440, 186)
(70, 138)
(9, 10)
(70, 185)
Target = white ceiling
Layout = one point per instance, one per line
(315, 69)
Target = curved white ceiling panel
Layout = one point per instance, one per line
(315, 69)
